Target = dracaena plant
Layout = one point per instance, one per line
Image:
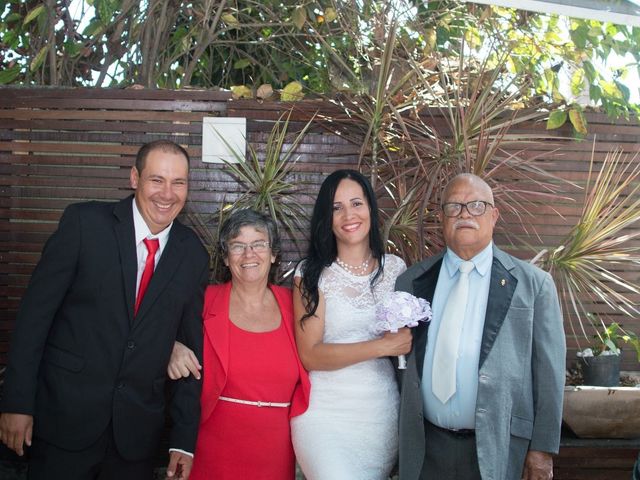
(584, 265)
(420, 121)
(268, 185)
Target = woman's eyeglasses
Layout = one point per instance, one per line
(238, 248)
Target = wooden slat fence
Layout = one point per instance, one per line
(59, 146)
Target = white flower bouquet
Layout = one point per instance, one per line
(398, 310)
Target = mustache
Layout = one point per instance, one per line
(464, 223)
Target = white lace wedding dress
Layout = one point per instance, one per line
(350, 431)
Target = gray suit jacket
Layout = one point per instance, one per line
(521, 369)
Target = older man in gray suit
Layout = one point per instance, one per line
(482, 393)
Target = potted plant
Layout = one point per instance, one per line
(601, 361)
(585, 265)
(601, 408)
(584, 268)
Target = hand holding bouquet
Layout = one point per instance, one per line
(398, 310)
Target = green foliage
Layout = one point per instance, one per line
(268, 183)
(611, 337)
(584, 264)
(388, 114)
(33, 14)
(324, 44)
(557, 118)
(157, 44)
(576, 116)
(9, 75)
(269, 187)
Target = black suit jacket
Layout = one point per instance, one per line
(79, 359)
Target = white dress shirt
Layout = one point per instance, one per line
(141, 232)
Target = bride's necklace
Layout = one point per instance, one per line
(359, 270)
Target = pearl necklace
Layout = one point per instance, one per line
(359, 270)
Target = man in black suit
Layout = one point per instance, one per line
(84, 385)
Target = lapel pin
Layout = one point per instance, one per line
(503, 282)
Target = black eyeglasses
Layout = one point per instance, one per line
(475, 208)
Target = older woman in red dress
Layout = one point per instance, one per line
(253, 380)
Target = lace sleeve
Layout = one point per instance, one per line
(394, 265)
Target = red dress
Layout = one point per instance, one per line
(246, 441)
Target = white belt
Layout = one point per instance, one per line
(255, 404)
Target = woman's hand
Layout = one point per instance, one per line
(183, 362)
(317, 355)
(399, 343)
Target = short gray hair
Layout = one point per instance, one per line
(248, 217)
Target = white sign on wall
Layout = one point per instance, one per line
(221, 136)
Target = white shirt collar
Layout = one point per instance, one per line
(142, 229)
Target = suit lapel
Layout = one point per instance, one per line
(125, 235)
(501, 289)
(424, 286)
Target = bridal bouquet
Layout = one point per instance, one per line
(398, 310)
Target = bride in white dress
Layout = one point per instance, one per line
(350, 430)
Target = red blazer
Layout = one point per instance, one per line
(216, 348)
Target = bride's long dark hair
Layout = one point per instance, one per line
(322, 245)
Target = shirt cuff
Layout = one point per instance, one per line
(181, 451)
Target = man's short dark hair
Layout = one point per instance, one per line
(164, 145)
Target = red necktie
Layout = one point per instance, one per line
(152, 247)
